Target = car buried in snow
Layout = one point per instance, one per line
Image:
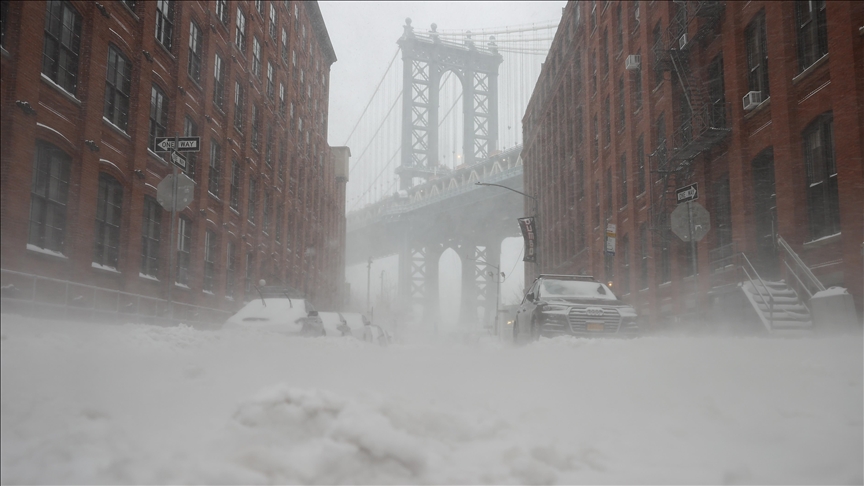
(575, 305)
(279, 310)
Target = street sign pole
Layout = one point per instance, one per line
(172, 250)
(693, 260)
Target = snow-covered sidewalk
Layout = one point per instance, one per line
(141, 404)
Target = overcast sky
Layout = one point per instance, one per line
(364, 36)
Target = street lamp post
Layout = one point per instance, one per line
(510, 189)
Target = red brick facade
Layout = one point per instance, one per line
(587, 175)
(280, 62)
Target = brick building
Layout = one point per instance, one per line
(87, 86)
(637, 99)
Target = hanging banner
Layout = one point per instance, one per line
(530, 236)
(610, 239)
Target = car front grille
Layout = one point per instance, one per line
(579, 318)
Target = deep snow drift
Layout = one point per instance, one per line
(141, 404)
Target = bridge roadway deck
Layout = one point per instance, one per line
(449, 210)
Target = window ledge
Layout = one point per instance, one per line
(62, 91)
(167, 51)
(148, 277)
(130, 11)
(765, 104)
(825, 240)
(664, 284)
(214, 196)
(105, 268)
(45, 251)
(156, 156)
(117, 129)
(810, 69)
(4, 52)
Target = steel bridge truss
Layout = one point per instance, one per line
(425, 59)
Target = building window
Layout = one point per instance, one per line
(259, 5)
(283, 157)
(214, 177)
(637, 86)
(210, 251)
(222, 11)
(282, 102)
(190, 129)
(118, 85)
(823, 204)
(607, 122)
(609, 192)
(49, 194)
(250, 271)
(622, 179)
(4, 21)
(596, 137)
(604, 46)
(265, 215)
(268, 152)
(273, 21)
(184, 250)
(230, 269)
(239, 105)
(757, 56)
(271, 81)
(717, 92)
(255, 137)
(665, 273)
(164, 22)
(109, 206)
(195, 39)
(284, 45)
(596, 204)
(256, 57)
(640, 165)
(158, 115)
(234, 196)
(594, 72)
(253, 193)
(240, 35)
(643, 258)
(620, 29)
(621, 110)
(279, 216)
(62, 45)
(624, 252)
(219, 81)
(812, 32)
(722, 214)
(657, 37)
(150, 237)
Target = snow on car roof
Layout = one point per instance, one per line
(276, 309)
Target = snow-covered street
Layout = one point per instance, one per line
(131, 403)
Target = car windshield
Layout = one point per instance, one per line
(576, 289)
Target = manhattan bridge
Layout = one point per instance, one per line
(448, 119)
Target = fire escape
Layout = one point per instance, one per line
(702, 120)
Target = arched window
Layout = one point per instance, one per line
(49, 194)
(109, 206)
(823, 203)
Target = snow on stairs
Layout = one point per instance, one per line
(788, 316)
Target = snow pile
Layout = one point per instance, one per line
(143, 404)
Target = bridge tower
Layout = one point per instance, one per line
(424, 60)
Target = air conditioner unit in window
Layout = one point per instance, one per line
(752, 100)
(682, 41)
(633, 62)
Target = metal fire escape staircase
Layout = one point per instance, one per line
(703, 122)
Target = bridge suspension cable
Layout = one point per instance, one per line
(395, 54)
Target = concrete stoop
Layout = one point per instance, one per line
(788, 315)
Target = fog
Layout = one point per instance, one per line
(125, 403)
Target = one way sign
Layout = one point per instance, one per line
(687, 193)
(184, 144)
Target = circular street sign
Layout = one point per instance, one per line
(681, 221)
(185, 191)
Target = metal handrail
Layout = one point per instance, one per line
(800, 264)
(770, 295)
